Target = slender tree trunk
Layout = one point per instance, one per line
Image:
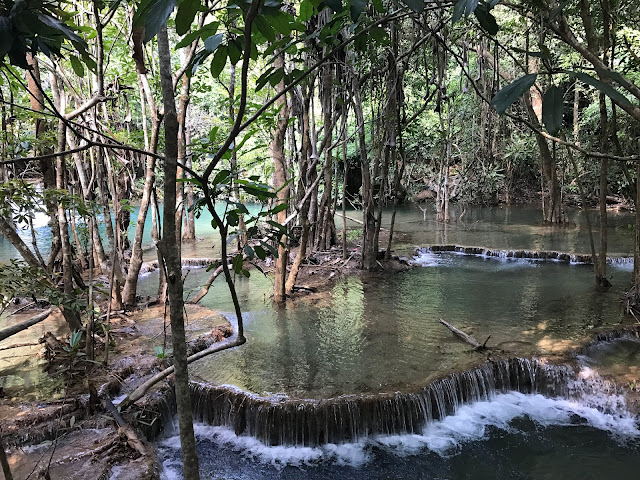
(276, 148)
(601, 279)
(242, 229)
(72, 316)
(131, 283)
(170, 247)
(36, 98)
(369, 247)
(302, 199)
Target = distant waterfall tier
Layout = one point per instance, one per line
(280, 420)
(542, 255)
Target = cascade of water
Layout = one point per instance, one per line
(573, 258)
(283, 421)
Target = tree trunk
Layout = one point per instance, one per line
(146, 98)
(369, 247)
(276, 148)
(170, 246)
(36, 98)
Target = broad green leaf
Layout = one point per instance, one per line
(205, 32)
(486, 19)
(265, 28)
(237, 263)
(262, 79)
(282, 23)
(213, 42)
(279, 208)
(6, 36)
(63, 28)
(605, 88)
(187, 10)
(612, 75)
(260, 252)
(276, 77)
(235, 51)
(156, 17)
(356, 7)
(306, 10)
(221, 177)
(335, 5)
(219, 61)
(464, 8)
(509, 94)
(552, 108)
(77, 66)
(415, 5)
(248, 251)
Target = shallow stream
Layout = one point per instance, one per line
(379, 335)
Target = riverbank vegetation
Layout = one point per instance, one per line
(278, 120)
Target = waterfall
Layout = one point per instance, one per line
(572, 258)
(350, 418)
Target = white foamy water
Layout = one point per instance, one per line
(596, 408)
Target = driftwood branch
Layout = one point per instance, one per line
(465, 337)
(12, 330)
(139, 392)
(124, 429)
(205, 288)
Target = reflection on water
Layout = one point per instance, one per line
(499, 227)
(381, 332)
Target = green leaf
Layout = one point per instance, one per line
(464, 7)
(260, 252)
(248, 251)
(77, 66)
(277, 226)
(605, 88)
(613, 76)
(379, 7)
(63, 28)
(552, 108)
(156, 17)
(213, 42)
(306, 10)
(509, 94)
(235, 51)
(414, 5)
(187, 10)
(219, 61)
(6, 36)
(279, 208)
(265, 28)
(282, 23)
(262, 79)
(205, 32)
(486, 19)
(221, 177)
(335, 5)
(276, 77)
(356, 7)
(237, 263)
(245, 272)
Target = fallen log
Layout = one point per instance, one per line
(19, 345)
(141, 390)
(12, 330)
(124, 429)
(465, 337)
